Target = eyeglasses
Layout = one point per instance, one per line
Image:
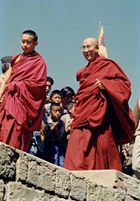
(88, 47)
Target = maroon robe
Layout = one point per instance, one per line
(21, 109)
(102, 119)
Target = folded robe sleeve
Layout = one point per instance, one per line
(92, 104)
(26, 91)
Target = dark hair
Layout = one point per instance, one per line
(50, 80)
(5, 63)
(54, 104)
(56, 91)
(66, 91)
(70, 105)
(4, 67)
(30, 32)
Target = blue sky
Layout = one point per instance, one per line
(62, 25)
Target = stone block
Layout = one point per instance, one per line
(17, 192)
(22, 169)
(32, 177)
(119, 194)
(2, 190)
(63, 184)
(94, 192)
(46, 178)
(78, 188)
(8, 158)
(132, 187)
(128, 198)
(106, 178)
(47, 197)
(108, 195)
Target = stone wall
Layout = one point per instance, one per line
(27, 178)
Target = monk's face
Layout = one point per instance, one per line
(89, 49)
(27, 43)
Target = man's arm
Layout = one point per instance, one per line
(4, 79)
(136, 112)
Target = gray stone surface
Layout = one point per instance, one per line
(18, 192)
(2, 188)
(107, 178)
(8, 158)
(63, 184)
(119, 195)
(33, 173)
(132, 186)
(47, 197)
(22, 169)
(57, 199)
(47, 178)
(25, 177)
(128, 198)
(78, 188)
(94, 192)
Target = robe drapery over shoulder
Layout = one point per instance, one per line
(25, 97)
(92, 104)
(102, 119)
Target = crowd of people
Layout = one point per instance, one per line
(50, 142)
(91, 129)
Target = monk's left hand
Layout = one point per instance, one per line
(99, 84)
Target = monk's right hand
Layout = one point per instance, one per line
(99, 84)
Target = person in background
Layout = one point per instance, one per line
(68, 99)
(54, 151)
(6, 73)
(6, 63)
(55, 97)
(68, 95)
(21, 110)
(136, 145)
(126, 155)
(37, 143)
(102, 118)
(70, 116)
(49, 143)
(49, 85)
(67, 119)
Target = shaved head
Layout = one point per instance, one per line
(90, 48)
(91, 40)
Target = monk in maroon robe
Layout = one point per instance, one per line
(102, 118)
(21, 109)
